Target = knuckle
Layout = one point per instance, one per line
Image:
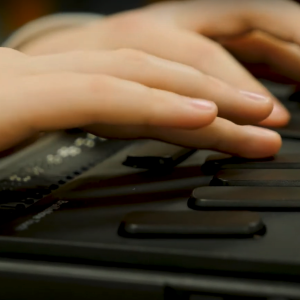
(208, 53)
(213, 49)
(128, 22)
(157, 102)
(79, 55)
(208, 50)
(148, 110)
(132, 55)
(217, 84)
(96, 84)
(92, 87)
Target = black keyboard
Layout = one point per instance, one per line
(95, 218)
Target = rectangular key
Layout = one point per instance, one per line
(250, 177)
(245, 198)
(157, 155)
(215, 163)
(187, 224)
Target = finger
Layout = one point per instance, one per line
(239, 106)
(222, 135)
(201, 53)
(66, 100)
(279, 18)
(262, 48)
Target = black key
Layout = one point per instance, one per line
(276, 177)
(215, 163)
(187, 224)
(245, 198)
(157, 155)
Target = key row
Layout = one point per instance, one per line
(227, 207)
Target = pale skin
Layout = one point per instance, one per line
(162, 72)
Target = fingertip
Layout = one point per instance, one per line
(247, 108)
(257, 107)
(253, 115)
(264, 142)
(279, 117)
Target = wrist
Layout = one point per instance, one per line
(54, 33)
(59, 41)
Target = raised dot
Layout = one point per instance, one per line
(89, 143)
(91, 136)
(79, 142)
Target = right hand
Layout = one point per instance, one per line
(129, 94)
(217, 37)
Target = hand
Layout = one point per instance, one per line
(195, 33)
(106, 93)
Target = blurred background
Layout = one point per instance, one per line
(15, 13)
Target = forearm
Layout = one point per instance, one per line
(51, 34)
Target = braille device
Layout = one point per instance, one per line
(88, 218)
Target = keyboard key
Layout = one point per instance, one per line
(157, 155)
(245, 198)
(281, 161)
(186, 224)
(276, 177)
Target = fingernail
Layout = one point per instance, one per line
(254, 96)
(202, 104)
(279, 115)
(279, 111)
(260, 131)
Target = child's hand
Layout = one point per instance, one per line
(128, 94)
(194, 33)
